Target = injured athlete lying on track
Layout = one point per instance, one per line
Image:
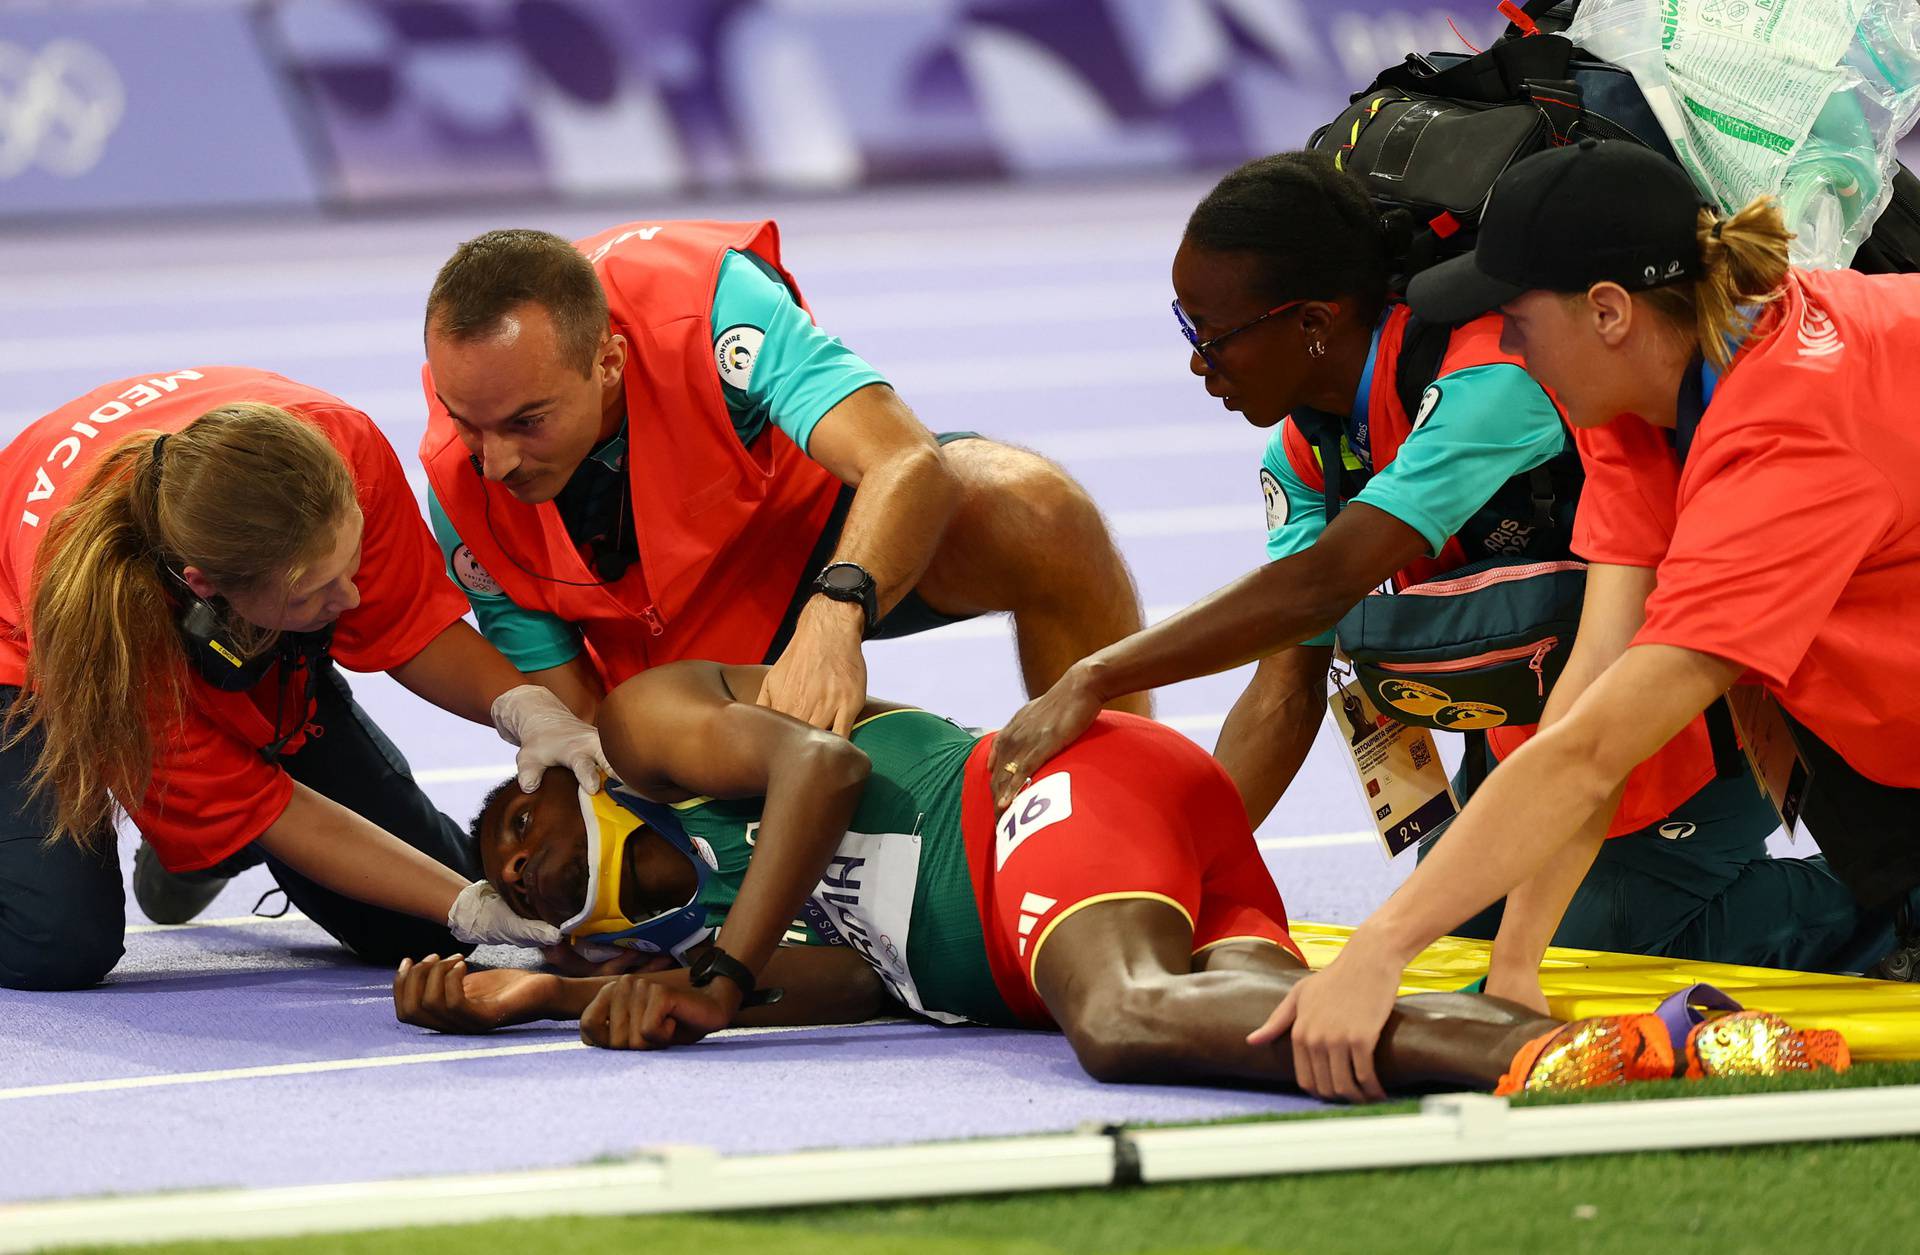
(1120, 899)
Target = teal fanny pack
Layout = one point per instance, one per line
(1477, 649)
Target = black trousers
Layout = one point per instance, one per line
(1870, 832)
(63, 911)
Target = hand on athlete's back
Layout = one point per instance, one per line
(441, 994)
(657, 1010)
(821, 677)
(1039, 730)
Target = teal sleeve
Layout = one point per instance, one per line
(1476, 429)
(775, 365)
(1296, 514)
(532, 640)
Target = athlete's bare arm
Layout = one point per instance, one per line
(821, 984)
(1270, 729)
(682, 730)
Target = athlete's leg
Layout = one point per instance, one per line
(1027, 538)
(1120, 980)
(353, 763)
(62, 910)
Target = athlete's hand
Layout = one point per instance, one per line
(549, 735)
(1039, 730)
(821, 677)
(651, 1012)
(441, 994)
(1335, 1017)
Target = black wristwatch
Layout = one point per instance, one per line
(715, 962)
(850, 582)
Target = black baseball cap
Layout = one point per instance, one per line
(1566, 219)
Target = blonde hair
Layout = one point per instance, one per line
(1744, 260)
(247, 493)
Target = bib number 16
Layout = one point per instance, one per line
(1040, 805)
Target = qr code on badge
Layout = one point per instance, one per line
(1420, 754)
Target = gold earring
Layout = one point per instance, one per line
(1317, 349)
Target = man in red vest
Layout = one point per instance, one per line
(640, 448)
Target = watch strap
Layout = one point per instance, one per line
(716, 962)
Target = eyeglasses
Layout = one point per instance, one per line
(1205, 348)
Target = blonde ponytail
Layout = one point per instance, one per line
(247, 493)
(1744, 263)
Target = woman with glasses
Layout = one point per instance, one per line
(1283, 287)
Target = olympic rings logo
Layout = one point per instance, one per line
(58, 107)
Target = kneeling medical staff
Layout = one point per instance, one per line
(190, 554)
(1747, 432)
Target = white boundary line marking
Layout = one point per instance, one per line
(310, 1067)
(1454, 1128)
(230, 921)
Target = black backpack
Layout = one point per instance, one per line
(1429, 137)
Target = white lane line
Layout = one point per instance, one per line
(407, 272)
(231, 921)
(313, 1066)
(1318, 841)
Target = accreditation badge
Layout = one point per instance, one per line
(1402, 780)
(1778, 769)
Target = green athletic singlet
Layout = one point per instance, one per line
(897, 890)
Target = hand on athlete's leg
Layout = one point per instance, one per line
(1333, 1020)
(1039, 730)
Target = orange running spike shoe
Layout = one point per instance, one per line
(1605, 1050)
(1760, 1043)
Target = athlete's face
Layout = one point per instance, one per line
(1260, 372)
(533, 849)
(325, 592)
(522, 406)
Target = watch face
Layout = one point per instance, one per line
(849, 579)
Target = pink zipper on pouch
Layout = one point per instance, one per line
(1536, 663)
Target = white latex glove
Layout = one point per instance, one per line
(549, 735)
(482, 917)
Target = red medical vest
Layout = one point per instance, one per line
(212, 792)
(724, 529)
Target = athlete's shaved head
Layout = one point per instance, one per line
(488, 276)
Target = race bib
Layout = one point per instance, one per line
(1040, 805)
(865, 902)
